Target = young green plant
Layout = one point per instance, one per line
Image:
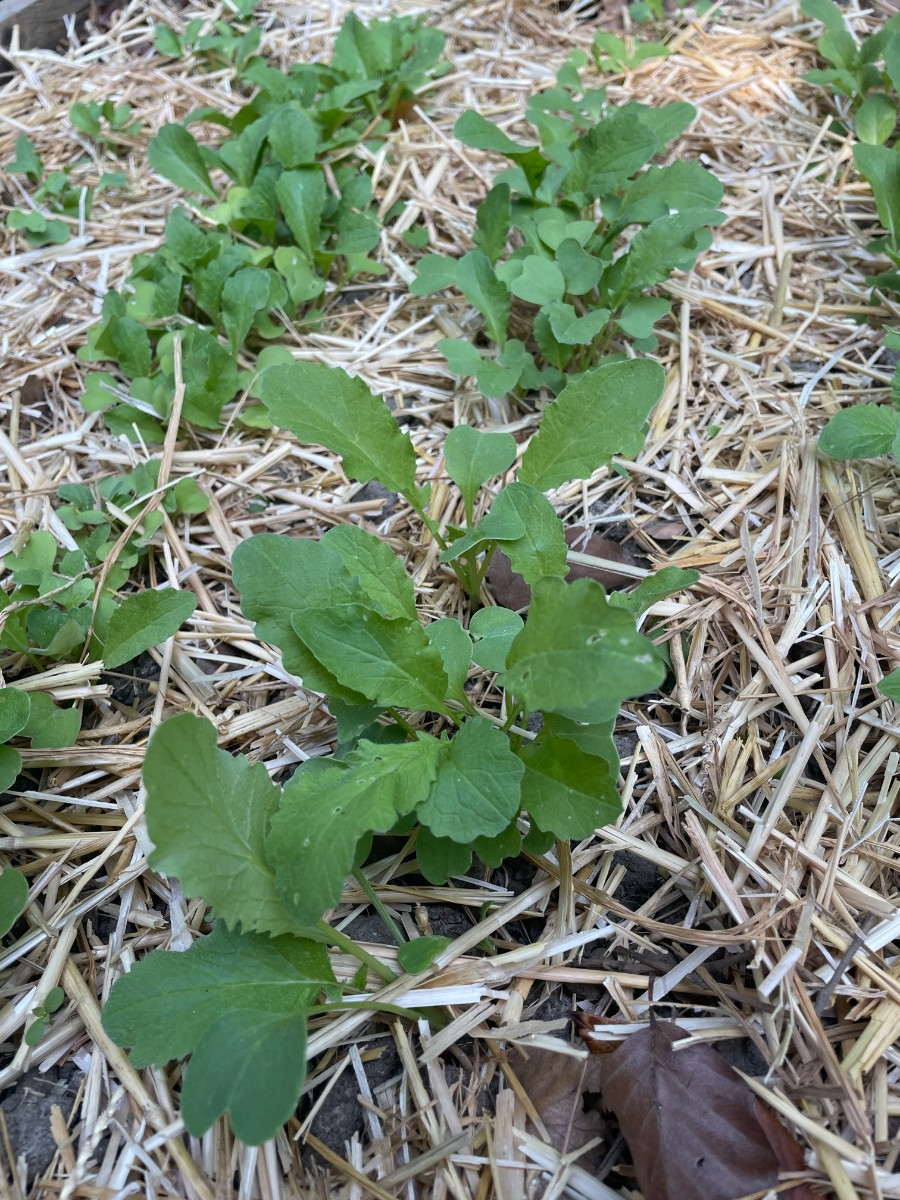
(419, 749)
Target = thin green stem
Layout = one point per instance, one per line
(393, 928)
(402, 722)
(343, 942)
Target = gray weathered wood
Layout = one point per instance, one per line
(40, 21)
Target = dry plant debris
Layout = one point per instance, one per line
(750, 886)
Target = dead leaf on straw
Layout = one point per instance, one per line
(555, 1084)
(694, 1128)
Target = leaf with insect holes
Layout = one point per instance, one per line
(174, 154)
(567, 792)
(479, 284)
(473, 456)
(324, 405)
(193, 785)
(145, 620)
(577, 655)
(238, 999)
(864, 431)
(590, 421)
(477, 790)
(324, 812)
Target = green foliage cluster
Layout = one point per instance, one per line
(415, 754)
(105, 122)
(571, 236)
(296, 213)
(54, 203)
(472, 736)
(866, 74)
(64, 600)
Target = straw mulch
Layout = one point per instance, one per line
(751, 883)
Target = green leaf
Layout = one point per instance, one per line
(324, 405)
(825, 11)
(590, 421)
(567, 792)
(638, 316)
(324, 813)
(167, 42)
(293, 137)
(481, 287)
(14, 709)
(540, 281)
(653, 588)
(889, 687)
(210, 999)
(145, 620)
(579, 656)
(581, 270)
(436, 272)
(389, 661)
(477, 789)
(274, 574)
(495, 380)
(418, 955)
(10, 767)
(506, 844)
(301, 195)
(455, 648)
(493, 631)
(541, 549)
(13, 898)
(609, 153)
(680, 186)
(439, 858)
(876, 119)
(245, 294)
(492, 222)
(476, 131)
(667, 244)
(49, 726)
(864, 431)
(208, 814)
(175, 155)
(227, 1073)
(26, 161)
(881, 166)
(473, 456)
(462, 357)
(380, 572)
(572, 330)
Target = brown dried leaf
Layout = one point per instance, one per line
(694, 1128)
(511, 591)
(555, 1083)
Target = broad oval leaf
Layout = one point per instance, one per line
(473, 456)
(591, 420)
(324, 405)
(477, 789)
(577, 655)
(15, 705)
(864, 431)
(324, 812)
(565, 791)
(174, 154)
(207, 815)
(145, 620)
